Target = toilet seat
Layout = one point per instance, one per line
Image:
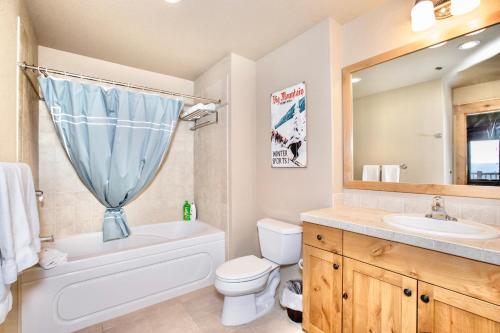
(243, 269)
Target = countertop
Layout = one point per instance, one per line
(369, 222)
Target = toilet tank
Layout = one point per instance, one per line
(280, 242)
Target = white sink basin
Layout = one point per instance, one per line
(463, 229)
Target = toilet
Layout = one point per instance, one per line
(249, 283)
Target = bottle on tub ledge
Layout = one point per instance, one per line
(186, 211)
(192, 212)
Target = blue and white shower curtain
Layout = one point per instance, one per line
(116, 140)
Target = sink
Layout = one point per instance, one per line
(463, 229)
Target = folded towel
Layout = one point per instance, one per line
(391, 173)
(199, 106)
(371, 173)
(50, 258)
(19, 226)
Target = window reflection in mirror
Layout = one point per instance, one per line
(432, 116)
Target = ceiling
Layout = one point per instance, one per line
(184, 39)
(420, 66)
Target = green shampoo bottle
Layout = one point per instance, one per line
(186, 209)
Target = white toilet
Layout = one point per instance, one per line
(249, 283)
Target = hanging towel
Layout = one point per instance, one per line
(50, 258)
(371, 173)
(390, 173)
(19, 228)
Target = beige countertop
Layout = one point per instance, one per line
(370, 222)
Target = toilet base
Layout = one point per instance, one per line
(239, 310)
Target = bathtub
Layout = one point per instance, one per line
(105, 280)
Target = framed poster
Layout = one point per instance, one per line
(288, 127)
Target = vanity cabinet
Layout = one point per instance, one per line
(323, 299)
(357, 283)
(442, 310)
(377, 300)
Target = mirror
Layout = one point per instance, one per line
(431, 116)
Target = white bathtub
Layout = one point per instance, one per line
(105, 280)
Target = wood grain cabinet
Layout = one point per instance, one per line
(443, 311)
(377, 300)
(359, 284)
(322, 297)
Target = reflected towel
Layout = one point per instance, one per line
(371, 173)
(391, 173)
(50, 258)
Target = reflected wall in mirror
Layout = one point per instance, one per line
(432, 116)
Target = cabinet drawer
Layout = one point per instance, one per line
(322, 237)
(466, 276)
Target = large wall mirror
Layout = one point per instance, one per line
(427, 121)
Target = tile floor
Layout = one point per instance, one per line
(196, 312)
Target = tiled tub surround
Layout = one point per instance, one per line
(369, 222)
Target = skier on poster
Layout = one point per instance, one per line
(298, 133)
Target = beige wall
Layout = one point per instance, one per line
(10, 126)
(69, 207)
(477, 92)
(224, 155)
(242, 164)
(310, 57)
(211, 151)
(398, 127)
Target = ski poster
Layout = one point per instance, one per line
(288, 127)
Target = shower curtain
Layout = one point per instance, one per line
(115, 139)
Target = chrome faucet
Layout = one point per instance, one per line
(438, 212)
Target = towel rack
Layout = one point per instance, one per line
(199, 115)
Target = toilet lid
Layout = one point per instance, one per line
(243, 269)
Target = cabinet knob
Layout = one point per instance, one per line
(336, 266)
(407, 292)
(345, 296)
(319, 237)
(425, 298)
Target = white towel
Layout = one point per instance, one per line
(199, 106)
(371, 173)
(391, 173)
(19, 227)
(50, 258)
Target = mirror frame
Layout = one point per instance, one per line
(490, 192)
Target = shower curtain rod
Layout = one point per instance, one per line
(45, 70)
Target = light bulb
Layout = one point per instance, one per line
(460, 7)
(469, 45)
(422, 15)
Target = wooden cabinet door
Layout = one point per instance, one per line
(444, 311)
(377, 300)
(322, 294)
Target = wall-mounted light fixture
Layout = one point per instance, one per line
(425, 12)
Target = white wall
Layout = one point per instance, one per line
(69, 207)
(284, 193)
(398, 127)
